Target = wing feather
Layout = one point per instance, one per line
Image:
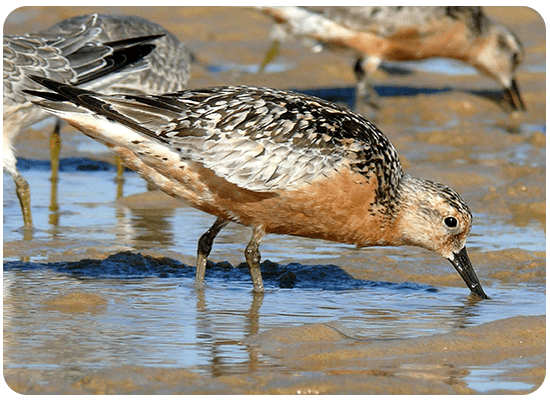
(260, 139)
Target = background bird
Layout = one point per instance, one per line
(169, 65)
(74, 50)
(77, 59)
(377, 34)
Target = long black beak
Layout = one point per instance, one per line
(513, 97)
(462, 263)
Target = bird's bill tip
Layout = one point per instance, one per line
(464, 267)
(513, 96)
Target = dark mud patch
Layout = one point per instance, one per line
(128, 265)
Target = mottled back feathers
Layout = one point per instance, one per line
(260, 139)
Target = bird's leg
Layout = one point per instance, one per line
(360, 75)
(205, 246)
(270, 55)
(252, 255)
(365, 93)
(23, 191)
(119, 169)
(53, 218)
(55, 149)
(119, 179)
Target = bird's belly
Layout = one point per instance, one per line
(339, 207)
(441, 40)
(336, 208)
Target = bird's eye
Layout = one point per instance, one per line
(451, 222)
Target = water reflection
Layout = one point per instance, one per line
(214, 341)
(151, 228)
(143, 311)
(137, 323)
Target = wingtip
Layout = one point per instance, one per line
(66, 90)
(45, 82)
(51, 96)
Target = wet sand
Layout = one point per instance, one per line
(462, 135)
(323, 360)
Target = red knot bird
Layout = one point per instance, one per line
(377, 34)
(277, 161)
(89, 51)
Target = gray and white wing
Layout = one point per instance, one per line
(75, 58)
(256, 144)
(260, 139)
(169, 64)
(23, 56)
(263, 139)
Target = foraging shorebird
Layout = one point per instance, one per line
(87, 51)
(377, 34)
(277, 161)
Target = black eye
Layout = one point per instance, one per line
(451, 222)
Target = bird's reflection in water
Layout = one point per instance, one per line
(145, 228)
(215, 344)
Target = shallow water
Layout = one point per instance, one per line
(154, 316)
(69, 316)
(162, 321)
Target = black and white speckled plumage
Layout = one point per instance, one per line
(261, 139)
(243, 128)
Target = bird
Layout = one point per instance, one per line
(374, 34)
(72, 51)
(277, 161)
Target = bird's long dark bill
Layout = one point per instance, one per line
(513, 97)
(462, 263)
